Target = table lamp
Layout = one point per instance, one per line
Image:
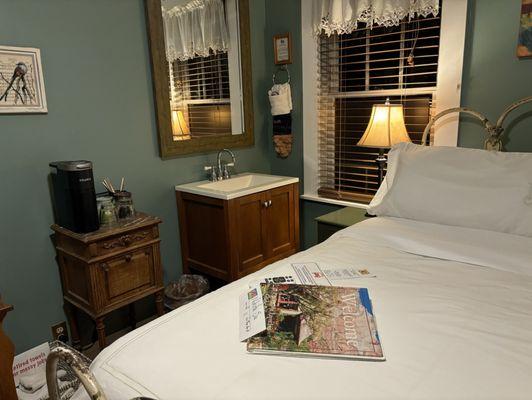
(386, 127)
(180, 128)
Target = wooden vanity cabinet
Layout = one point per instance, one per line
(228, 239)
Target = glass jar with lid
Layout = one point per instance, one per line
(124, 205)
(107, 210)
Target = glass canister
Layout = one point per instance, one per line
(107, 210)
(124, 205)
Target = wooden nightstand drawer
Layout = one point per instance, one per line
(126, 240)
(128, 273)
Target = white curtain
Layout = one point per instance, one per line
(193, 29)
(342, 16)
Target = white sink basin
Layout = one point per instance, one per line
(236, 186)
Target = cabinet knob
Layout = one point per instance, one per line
(128, 257)
(105, 267)
(269, 203)
(265, 204)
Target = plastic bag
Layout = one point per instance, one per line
(185, 290)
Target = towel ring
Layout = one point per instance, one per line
(283, 68)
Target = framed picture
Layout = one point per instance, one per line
(282, 49)
(21, 81)
(524, 46)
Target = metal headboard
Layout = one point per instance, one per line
(494, 132)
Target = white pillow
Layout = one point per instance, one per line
(456, 186)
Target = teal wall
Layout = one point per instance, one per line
(99, 91)
(285, 16)
(493, 76)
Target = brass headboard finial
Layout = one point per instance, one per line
(494, 132)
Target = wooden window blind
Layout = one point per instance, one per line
(200, 89)
(356, 71)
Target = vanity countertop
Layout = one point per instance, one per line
(236, 186)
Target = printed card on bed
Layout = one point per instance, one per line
(318, 321)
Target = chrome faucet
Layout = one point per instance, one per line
(220, 171)
(223, 171)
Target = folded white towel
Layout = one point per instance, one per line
(32, 383)
(280, 99)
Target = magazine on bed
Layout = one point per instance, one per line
(317, 321)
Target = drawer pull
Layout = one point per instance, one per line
(126, 240)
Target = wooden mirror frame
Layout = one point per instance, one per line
(168, 147)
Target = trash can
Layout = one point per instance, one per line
(185, 290)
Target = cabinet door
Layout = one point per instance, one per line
(251, 232)
(281, 220)
(128, 274)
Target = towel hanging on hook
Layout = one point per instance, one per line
(280, 96)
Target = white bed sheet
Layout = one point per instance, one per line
(453, 307)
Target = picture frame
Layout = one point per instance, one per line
(21, 81)
(282, 49)
(524, 45)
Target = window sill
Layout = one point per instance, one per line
(314, 197)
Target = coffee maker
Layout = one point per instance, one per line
(74, 196)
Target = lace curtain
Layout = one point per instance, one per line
(342, 16)
(194, 29)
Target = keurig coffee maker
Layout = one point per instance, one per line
(74, 196)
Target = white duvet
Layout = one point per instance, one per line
(453, 307)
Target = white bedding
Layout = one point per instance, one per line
(453, 306)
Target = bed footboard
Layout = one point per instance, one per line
(7, 350)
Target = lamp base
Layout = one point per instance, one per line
(381, 162)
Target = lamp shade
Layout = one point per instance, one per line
(386, 127)
(179, 125)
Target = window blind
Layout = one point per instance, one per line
(356, 71)
(200, 90)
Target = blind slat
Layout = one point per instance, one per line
(354, 65)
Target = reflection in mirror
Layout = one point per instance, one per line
(202, 47)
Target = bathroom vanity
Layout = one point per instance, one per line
(233, 227)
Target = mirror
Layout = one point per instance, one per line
(201, 69)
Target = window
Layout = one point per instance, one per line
(358, 70)
(200, 91)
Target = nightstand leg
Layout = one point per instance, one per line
(159, 303)
(71, 315)
(132, 316)
(100, 329)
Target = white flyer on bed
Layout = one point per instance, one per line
(454, 318)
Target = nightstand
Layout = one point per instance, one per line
(333, 222)
(108, 269)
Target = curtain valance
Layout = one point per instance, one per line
(343, 16)
(194, 29)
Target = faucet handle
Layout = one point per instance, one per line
(213, 176)
(225, 172)
(230, 164)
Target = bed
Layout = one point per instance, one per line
(453, 312)
(451, 248)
